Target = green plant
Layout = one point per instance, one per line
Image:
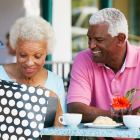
(128, 94)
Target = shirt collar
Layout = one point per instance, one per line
(130, 59)
(122, 68)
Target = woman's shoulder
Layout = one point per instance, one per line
(9, 68)
(54, 82)
(5, 71)
(5, 67)
(53, 76)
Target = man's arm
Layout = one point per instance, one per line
(136, 111)
(89, 113)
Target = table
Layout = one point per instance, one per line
(82, 130)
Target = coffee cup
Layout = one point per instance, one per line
(70, 119)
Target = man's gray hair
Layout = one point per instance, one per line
(116, 20)
(35, 29)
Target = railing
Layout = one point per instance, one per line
(134, 40)
(62, 69)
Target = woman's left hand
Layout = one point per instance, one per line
(51, 93)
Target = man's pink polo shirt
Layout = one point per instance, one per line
(94, 84)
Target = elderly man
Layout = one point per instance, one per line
(110, 66)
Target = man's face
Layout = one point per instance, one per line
(103, 46)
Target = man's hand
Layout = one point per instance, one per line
(136, 111)
(89, 113)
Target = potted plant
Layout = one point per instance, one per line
(123, 105)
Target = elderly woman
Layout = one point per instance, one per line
(33, 39)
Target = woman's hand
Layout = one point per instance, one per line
(51, 93)
(58, 114)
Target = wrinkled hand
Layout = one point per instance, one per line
(39, 86)
(58, 114)
(136, 111)
(51, 93)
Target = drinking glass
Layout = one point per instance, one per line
(118, 112)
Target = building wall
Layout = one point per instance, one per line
(61, 23)
(9, 12)
(123, 6)
(12, 10)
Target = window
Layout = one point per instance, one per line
(81, 12)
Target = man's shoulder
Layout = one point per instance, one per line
(136, 50)
(84, 54)
(133, 55)
(134, 47)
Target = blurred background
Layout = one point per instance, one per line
(69, 19)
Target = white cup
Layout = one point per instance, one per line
(70, 119)
(132, 121)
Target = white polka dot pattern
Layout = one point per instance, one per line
(19, 104)
(25, 123)
(36, 108)
(3, 127)
(26, 97)
(40, 126)
(30, 139)
(11, 129)
(31, 89)
(17, 95)
(21, 138)
(9, 119)
(4, 101)
(6, 86)
(16, 121)
(22, 111)
(11, 102)
(6, 110)
(14, 112)
(5, 136)
(2, 118)
(33, 124)
(9, 93)
(24, 88)
(42, 101)
(28, 106)
(2, 92)
(34, 99)
(19, 130)
(0, 108)
(47, 93)
(13, 137)
(27, 132)
(39, 91)
(35, 134)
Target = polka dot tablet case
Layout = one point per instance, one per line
(23, 110)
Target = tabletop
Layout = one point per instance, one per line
(82, 130)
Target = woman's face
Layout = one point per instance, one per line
(30, 56)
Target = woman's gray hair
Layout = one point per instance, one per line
(32, 28)
(116, 20)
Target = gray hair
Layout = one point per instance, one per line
(116, 20)
(35, 29)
